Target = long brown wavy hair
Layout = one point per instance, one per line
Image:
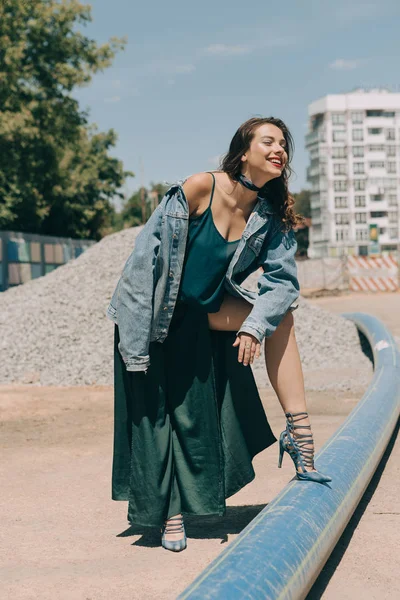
(276, 189)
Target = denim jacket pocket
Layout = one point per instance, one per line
(177, 213)
(255, 243)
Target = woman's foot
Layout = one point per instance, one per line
(300, 447)
(173, 534)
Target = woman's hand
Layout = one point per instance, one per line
(249, 348)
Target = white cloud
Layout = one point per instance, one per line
(112, 99)
(226, 50)
(182, 69)
(341, 64)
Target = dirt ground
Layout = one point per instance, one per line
(63, 537)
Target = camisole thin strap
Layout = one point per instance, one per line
(212, 190)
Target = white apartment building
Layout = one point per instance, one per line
(354, 172)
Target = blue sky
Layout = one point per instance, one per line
(191, 73)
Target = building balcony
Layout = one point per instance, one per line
(374, 138)
(379, 122)
(314, 137)
(378, 205)
(375, 154)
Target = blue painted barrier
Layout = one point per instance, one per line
(281, 552)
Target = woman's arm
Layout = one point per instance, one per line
(197, 190)
(278, 286)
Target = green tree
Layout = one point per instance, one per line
(303, 207)
(131, 213)
(56, 176)
(302, 203)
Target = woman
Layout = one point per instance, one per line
(188, 417)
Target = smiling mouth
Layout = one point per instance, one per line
(276, 162)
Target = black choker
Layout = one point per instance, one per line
(247, 183)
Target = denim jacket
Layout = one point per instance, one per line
(144, 299)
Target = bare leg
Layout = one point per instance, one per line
(282, 357)
(285, 372)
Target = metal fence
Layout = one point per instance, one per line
(26, 256)
(349, 273)
(323, 274)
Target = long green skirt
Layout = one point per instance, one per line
(186, 431)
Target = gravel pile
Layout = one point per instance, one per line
(54, 330)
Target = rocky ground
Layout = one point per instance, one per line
(54, 330)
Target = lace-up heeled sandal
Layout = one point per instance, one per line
(174, 545)
(297, 445)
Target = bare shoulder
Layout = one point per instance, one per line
(197, 190)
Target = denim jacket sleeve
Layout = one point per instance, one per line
(278, 286)
(135, 295)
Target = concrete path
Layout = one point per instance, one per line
(62, 537)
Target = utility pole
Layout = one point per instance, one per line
(142, 196)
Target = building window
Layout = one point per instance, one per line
(338, 136)
(380, 113)
(390, 134)
(357, 135)
(391, 167)
(376, 148)
(375, 130)
(342, 235)
(358, 151)
(392, 200)
(357, 117)
(376, 198)
(361, 234)
(382, 230)
(393, 233)
(390, 150)
(339, 169)
(359, 184)
(359, 201)
(377, 164)
(358, 168)
(377, 214)
(339, 152)
(393, 216)
(361, 217)
(338, 118)
(342, 219)
(341, 202)
(340, 186)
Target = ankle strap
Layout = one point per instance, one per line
(174, 527)
(291, 421)
(300, 441)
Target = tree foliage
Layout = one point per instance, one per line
(302, 203)
(303, 207)
(132, 214)
(56, 176)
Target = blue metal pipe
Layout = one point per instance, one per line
(281, 552)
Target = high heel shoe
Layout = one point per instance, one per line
(174, 545)
(295, 444)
